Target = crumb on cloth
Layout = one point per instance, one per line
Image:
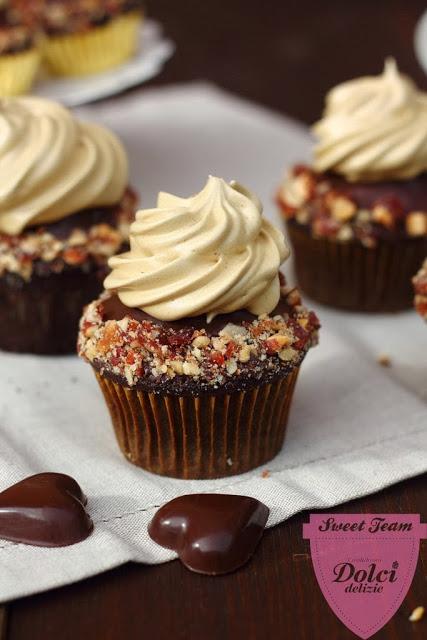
(384, 360)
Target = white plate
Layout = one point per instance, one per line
(152, 53)
(420, 41)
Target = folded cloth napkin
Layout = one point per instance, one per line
(355, 427)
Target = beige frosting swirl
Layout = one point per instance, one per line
(52, 165)
(209, 254)
(374, 128)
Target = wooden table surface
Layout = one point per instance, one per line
(284, 55)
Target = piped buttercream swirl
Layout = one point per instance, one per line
(374, 128)
(53, 165)
(209, 254)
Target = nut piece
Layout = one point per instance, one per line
(287, 354)
(200, 341)
(231, 367)
(177, 366)
(277, 342)
(384, 360)
(342, 209)
(296, 190)
(382, 215)
(244, 354)
(416, 223)
(417, 614)
(190, 369)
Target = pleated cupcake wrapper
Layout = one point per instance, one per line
(348, 275)
(96, 50)
(208, 436)
(36, 316)
(18, 71)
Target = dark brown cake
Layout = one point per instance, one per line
(356, 245)
(48, 273)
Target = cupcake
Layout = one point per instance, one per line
(89, 36)
(357, 219)
(19, 51)
(420, 286)
(65, 208)
(197, 341)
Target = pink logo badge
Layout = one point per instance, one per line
(364, 564)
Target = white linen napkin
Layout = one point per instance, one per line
(355, 427)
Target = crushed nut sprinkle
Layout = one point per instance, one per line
(39, 250)
(420, 286)
(62, 16)
(19, 28)
(135, 350)
(309, 199)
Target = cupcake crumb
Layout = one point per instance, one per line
(417, 614)
(384, 360)
(265, 474)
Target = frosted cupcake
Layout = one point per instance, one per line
(89, 36)
(197, 341)
(357, 219)
(420, 286)
(65, 208)
(19, 46)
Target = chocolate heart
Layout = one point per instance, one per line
(46, 510)
(212, 533)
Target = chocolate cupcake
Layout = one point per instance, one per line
(420, 286)
(357, 220)
(19, 46)
(89, 36)
(197, 342)
(65, 208)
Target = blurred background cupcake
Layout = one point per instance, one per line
(88, 36)
(198, 341)
(357, 219)
(420, 286)
(19, 46)
(65, 208)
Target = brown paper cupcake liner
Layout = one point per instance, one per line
(205, 436)
(348, 275)
(42, 316)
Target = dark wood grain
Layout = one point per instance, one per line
(274, 596)
(3, 622)
(284, 54)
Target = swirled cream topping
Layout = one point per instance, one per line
(209, 254)
(52, 165)
(374, 128)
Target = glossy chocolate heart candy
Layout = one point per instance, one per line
(212, 533)
(46, 510)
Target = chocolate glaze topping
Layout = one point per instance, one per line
(412, 194)
(84, 219)
(114, 309)
(212, 533)
(45, 510)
